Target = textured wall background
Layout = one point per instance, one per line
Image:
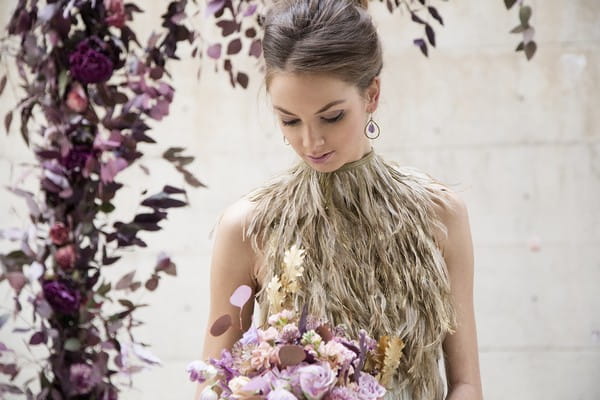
(521, 139)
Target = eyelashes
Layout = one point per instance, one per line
(327, 120)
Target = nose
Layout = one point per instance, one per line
(311, 138)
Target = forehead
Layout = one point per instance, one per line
(308, 92)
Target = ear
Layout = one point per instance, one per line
(372, 94)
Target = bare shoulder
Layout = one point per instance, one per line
(230, 244)
(452, 212)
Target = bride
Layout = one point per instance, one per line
(388, 248)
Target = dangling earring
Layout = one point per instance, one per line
(285, 141)
(372, 127)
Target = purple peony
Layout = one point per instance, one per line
(61, 297)
(83, 378)
(369, 388)
(316, 380)
(88, 65)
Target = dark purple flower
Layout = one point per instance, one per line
(59, 233)
(77, 157)
(89, 65)
(61, 296)
(83, 378)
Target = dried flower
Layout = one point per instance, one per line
(59, 233)
(115, 11)
(65, 257)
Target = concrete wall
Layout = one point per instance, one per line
(522, 140)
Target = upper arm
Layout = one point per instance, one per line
(460, 348)
(232, 262)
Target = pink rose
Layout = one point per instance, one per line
(77, 99)
(115, 13)
(59, 233)
(65, 257)
(263, 356)
(316, 380)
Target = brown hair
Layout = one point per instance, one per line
(334, 37)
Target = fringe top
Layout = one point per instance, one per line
(371, 261)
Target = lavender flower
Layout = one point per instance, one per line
(61, 296)
(369, 388)
(88, 65)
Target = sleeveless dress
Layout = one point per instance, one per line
(371, 258)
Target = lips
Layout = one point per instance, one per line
(321, 158)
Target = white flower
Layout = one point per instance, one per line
(208, 394)
(201, 371)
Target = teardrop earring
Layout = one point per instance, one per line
(372, 127)
(285, 141)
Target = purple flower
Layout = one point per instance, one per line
(61, 296)
(250, 336)
(88, 65)
(83, 378)
(369, 388)
(316, 380)
(342, 393)
(281, 394)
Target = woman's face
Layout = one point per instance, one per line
(321, 115)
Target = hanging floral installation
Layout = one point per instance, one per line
(88, 91)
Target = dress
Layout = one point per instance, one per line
(371, 260)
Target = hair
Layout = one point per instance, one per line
(334, 37)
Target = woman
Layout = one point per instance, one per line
(388, 249)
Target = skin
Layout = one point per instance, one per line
(298, 102)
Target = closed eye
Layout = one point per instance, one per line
(328, 120)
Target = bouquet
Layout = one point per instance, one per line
(297, 356)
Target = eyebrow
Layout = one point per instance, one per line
(327, 106)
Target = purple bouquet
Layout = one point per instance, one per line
(296, 356)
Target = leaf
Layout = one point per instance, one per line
(72, 344)
(416, 18)
(221, 325)
(240, 296)
(152, 283)
(125, 281)
(242, 79)
(2, 84)
(126, 303)
(214, 51)
(524, 15)
(291, 355)
(37, 338)
(530, 49)
(509, 3)
(213, 7)
(234, 46)
(434, 13)
(520, 47)
(430, 34)
(422, 45)
(8, 121)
